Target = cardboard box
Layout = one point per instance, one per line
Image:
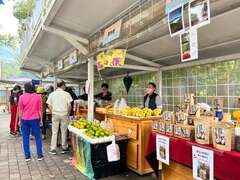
(203, 131)
(188, 132)
(162, 127)
(178, 130)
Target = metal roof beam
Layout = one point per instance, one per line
(141, 60)
(77, 45)
(65, 34)
(135, 67)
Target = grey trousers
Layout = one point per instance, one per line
(61, 121)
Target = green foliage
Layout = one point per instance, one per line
(8, 40)
(22, 10)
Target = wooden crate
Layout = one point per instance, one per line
(223, 136)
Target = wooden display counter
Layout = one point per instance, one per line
(97, 114)
(138, 131)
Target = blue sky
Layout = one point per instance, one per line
(176, 13)
(8, 23)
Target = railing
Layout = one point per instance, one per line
(34, 22)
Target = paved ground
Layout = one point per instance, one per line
(13, 165)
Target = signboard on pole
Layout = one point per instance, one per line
(202, 163)
(162, 145)
(112, 32)
(189, 45)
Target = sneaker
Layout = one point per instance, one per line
(53, 152)
(65, 151)
(28, 159)
(40, 158)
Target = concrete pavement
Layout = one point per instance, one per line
(14, 167)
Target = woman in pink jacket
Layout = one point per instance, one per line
(30, 110)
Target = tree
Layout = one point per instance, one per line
(22, 10)
(8, 40)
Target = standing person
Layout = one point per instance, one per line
(41, 91)
(60, 105)
(74, 97)
(30, 111)
(151, 99)
(105, 94)
(14, 98)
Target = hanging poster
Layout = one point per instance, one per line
(202, 163)
(162, 145)
(175, 21)
(73, 58)
(60, 64)
(112, 32)
(111, 58)
(171, 4)
(115, 57)
(101, 61)
(189, 45)
(199, 13)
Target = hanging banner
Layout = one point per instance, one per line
(72, 59)
(199, 13)
(111, 58)
(202, 163)
(189, 45)
(115, 57)
(162, 145)
(176, 21)
(60, 64)
(112, 32)
(172, 4)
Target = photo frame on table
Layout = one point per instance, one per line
(176, 21)
(199, 13)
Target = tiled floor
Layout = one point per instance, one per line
(13, 165)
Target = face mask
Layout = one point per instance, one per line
(150, 90)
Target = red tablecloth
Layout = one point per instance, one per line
(226, 164)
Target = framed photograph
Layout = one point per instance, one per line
(176, 21)
(189, 45)
(199, 13)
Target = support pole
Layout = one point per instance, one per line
(160, 85)
(91, 89)
(55, 82)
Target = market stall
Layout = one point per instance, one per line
(147, 34)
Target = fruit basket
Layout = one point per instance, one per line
(92, 133)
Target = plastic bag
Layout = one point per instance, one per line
(122, 104)
(116, 107)
(113, 152)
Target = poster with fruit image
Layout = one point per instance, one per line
(111, 58)
(189, 45)
(162, 145)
